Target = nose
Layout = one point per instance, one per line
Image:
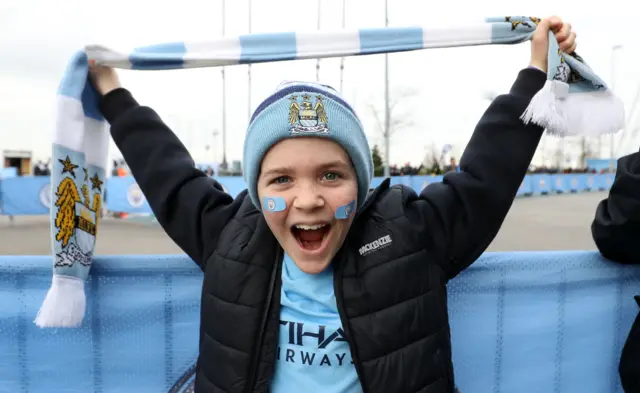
(308, 198)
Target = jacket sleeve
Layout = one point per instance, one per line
(616, 225)
(191, 207)
(459, 217)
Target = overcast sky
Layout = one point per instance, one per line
(37, 38)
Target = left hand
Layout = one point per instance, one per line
(540, 41)
(104, 79)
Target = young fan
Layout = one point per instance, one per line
(313, 281)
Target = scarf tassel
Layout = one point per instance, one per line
(563, 114)
(64, 305)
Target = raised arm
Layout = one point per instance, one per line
(191, 207)
(462, 215)
(616, 225)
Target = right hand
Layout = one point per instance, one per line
(104, 79)
(540, 40)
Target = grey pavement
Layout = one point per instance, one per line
(556, 222)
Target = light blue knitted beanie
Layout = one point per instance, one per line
(302, 109)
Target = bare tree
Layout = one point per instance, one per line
(559, 156)
(586, 151)
(432, 157)
(399, 111)
(400, 116)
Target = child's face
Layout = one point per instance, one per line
(314, 177)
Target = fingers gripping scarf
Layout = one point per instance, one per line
(574, 101)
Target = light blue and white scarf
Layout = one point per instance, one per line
(574, 101)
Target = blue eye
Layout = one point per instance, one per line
(331, 176)
(281, 180)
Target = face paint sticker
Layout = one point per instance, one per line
(343, 212)
(274, 204)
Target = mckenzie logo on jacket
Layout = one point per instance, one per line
(375, 245)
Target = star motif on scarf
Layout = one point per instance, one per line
(68, 166)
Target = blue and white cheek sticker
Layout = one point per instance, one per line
(345, 211)
(274, 204)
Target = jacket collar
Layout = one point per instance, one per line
(372, 196)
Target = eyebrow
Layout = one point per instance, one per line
(287, 169)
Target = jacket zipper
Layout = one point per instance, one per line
(347, 330)
(255, 362)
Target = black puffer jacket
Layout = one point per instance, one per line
(616, 232)
(616, 225)
(391, 273)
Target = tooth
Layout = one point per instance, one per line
(310, 227)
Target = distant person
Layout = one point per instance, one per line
(114, 169)
(46, 168)
(37, 169)
(40, 169)
(313, 281)
(453, 166)
(616, 232)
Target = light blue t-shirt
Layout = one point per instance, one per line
(313, 355)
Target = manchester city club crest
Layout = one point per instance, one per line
(135, 197)
(77, 216)
(307, 117)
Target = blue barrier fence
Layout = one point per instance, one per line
(8, 172)
(521, 322)
(32, 195)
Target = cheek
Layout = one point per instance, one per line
(278, 226)
(353, 191)
(275, 221)
(344, 225)
(344, 199)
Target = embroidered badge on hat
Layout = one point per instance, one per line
(306, 117)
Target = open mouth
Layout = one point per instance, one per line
(311, 237)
